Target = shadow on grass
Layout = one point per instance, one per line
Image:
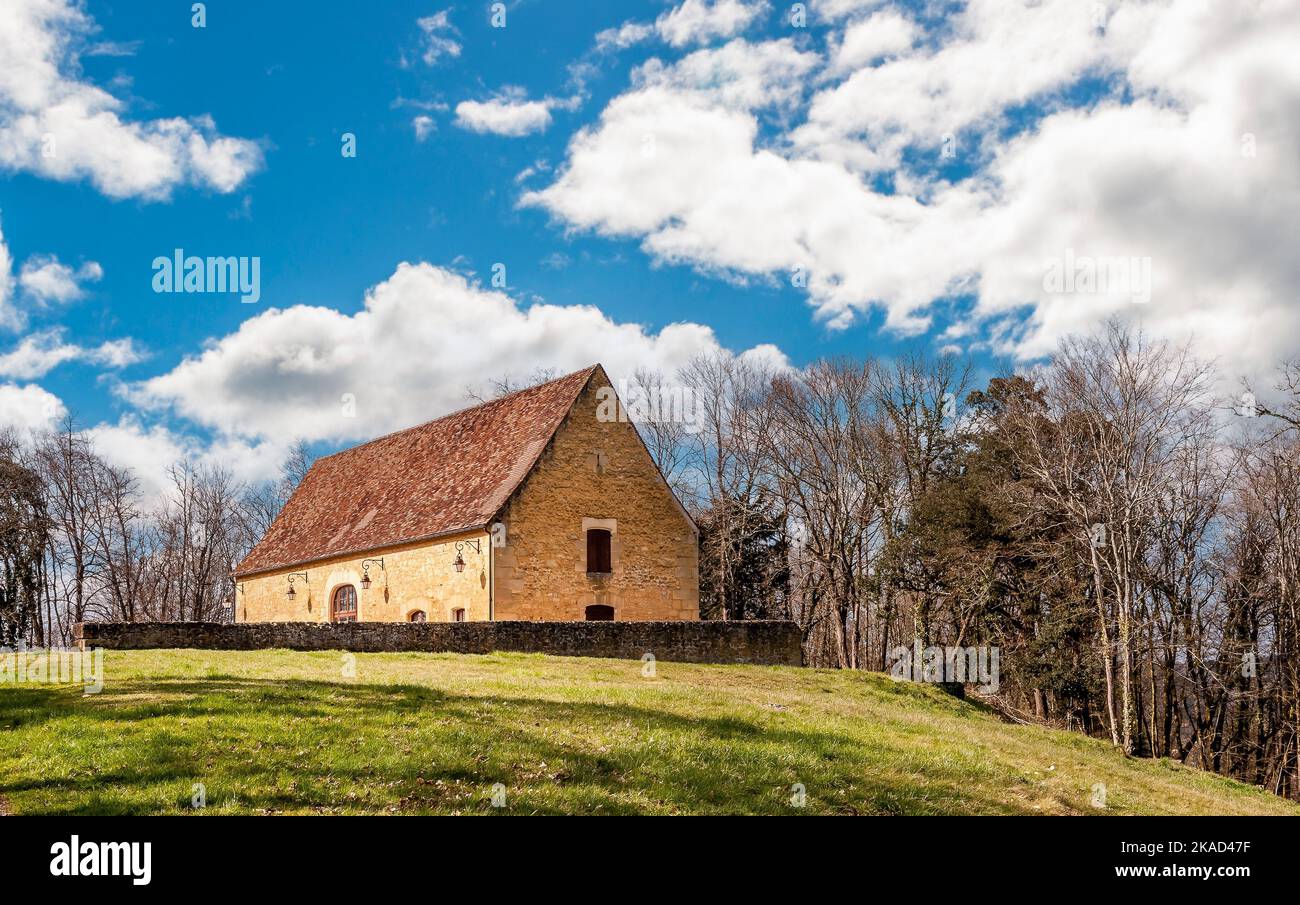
(295, 745)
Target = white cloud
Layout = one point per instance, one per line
(509, 113)
(624, 36)
(424, 126)
(691, 22)
(38, 354)
(996, 54)
(47, 280)
(700, 21)
(690, 192)
(532, 170)
(29, 407)
(833, 10)
(867, 41)
(116, 354)
(312, 372)
(56, 125)
(738, 75)
(42, 281)
(150, 451)
(10, 317)
(1185, 156)
(439, 37)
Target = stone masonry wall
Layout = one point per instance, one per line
(771, 643)
(596, 474)
(413, 577)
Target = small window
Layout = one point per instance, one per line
(343, 607)
(598, 559)
(418, 616)
(599, 612)
(458, 615)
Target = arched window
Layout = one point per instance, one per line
(418, 616)
(598, 558)
(599, 612)
(343, 607)
(458, 614)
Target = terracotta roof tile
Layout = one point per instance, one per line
(448, 475)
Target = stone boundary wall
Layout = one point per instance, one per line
(766, 642)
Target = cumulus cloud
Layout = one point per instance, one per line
(690, 190)
(151, 451)
(57, 125)
(1165, 134)
(43, 281)
(691, 22)
(737, 75)
(623, 36)
(47, 280)
(509, 113)
(29, 407)
(995, 55)
(311, 372)
(864, 42)
(700, 21)
(38, 354)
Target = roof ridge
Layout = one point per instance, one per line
(469, 408)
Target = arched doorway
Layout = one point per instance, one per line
(599, 612)
(343, 605)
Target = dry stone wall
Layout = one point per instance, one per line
(773, 643)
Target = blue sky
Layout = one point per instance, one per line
(328, 227)
(907, 245)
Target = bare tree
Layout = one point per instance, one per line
(263, 502)
(1122, 411)
(921, 434)
(66, 464)
(821, 446)
(724, 458)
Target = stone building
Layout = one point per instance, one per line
(539, 505)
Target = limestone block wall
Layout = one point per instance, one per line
(413, 577)
(596, 474)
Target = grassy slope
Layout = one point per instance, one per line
(416, 733)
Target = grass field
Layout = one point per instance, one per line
(287, 732)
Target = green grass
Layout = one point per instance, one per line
(281, 731)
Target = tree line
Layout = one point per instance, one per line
(81, 542)
(1125, 534)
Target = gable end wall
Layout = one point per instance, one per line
(540, 572)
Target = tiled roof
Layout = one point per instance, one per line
(448, 475)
